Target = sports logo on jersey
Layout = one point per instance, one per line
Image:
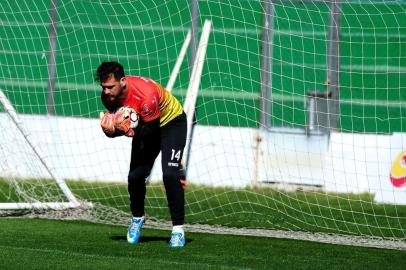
(398, 171)
(155, 101)
(147, 110)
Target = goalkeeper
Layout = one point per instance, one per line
(162, 127)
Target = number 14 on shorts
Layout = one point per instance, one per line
(175, 156)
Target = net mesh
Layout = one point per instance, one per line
(299, 172)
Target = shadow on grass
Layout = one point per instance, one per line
(145, 239)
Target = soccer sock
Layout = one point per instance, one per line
(178, 229)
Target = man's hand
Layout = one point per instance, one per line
(107, 124)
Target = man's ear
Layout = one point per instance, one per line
(123, 82)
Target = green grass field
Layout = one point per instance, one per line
(316, 211)
(47, 244)
(312, 212)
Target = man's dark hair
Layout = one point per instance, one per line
(106, 68)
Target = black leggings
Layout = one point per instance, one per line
(171, 140)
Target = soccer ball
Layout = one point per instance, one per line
(132, 115)
(126, 118)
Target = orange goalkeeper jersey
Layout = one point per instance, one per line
(151, 100)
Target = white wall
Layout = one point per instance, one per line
(76, 148)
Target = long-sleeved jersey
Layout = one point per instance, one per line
(151, 100)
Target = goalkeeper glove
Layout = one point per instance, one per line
(107, 124)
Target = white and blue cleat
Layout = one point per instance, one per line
(134, 230)
(177, 240)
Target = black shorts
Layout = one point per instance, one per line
(171, 140)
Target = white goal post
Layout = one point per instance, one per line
(72, 200)
(192, 91)
(190, 102)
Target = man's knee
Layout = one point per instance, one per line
(138, 175)
(171, 180)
